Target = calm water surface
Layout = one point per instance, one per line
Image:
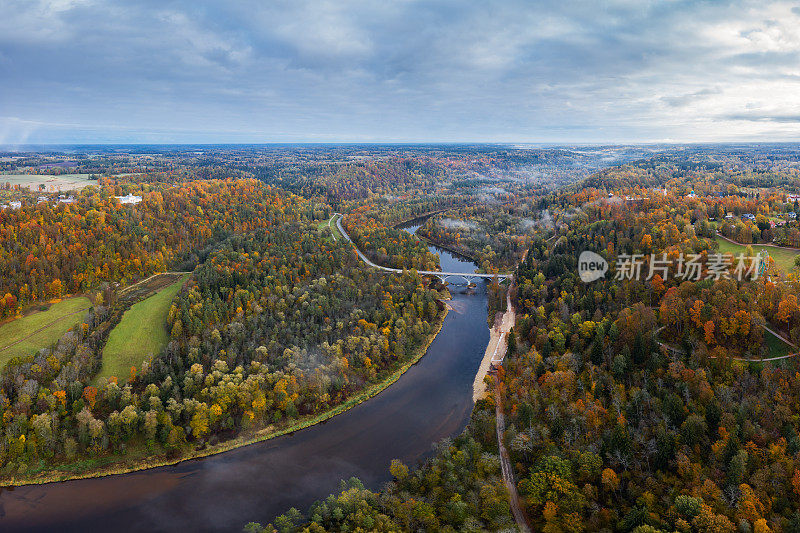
(431, 401)
(448, 261)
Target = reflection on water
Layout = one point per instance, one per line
(447, 260)
(431, 401)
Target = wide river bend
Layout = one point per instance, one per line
(431, 401)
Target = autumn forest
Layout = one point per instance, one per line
(654, 399)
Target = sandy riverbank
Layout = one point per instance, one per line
(495, 349)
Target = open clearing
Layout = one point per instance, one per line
(330, 224)
(40, 329)
(52, 183)
(141, 332)
(783, 257)
(776, 347)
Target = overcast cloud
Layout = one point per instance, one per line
(615, 71)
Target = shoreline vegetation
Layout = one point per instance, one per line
(421, 217)
(107, 466)
(424, 237)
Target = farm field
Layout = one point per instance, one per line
(141, 332)
(28, 334)
(52, 183)
(783, 257)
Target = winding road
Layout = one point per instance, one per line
(222, 492)
(364, 258)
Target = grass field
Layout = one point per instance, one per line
(137, 457)
(40, 329)
(324, 225)
(783, 258)
(141, 332)
(335, 229)
(775, 346)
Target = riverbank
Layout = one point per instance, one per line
(496, 349)
(459, 253)
(109, 466)
(420, 217)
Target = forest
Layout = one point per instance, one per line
(641, 405)
(615, 429)
(278, 321)
(658, 402)
(458, 489)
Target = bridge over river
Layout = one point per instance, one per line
(467, 277)
(431, 401)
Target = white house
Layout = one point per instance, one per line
(129, 199)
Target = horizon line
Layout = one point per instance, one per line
(408, 143)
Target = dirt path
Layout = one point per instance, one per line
(495, 350)
(495, 353)
(781, 337)
(505, 462)
(680, 352)
(721, 236)
(127, 289)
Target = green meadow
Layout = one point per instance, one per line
(26, 335)
(141, 332)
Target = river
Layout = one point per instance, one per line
(223, 492)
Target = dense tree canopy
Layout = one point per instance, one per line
(277, 321)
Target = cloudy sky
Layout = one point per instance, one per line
(75, 71)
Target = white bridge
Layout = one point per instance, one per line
(468, 278)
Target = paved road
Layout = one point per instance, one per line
(428, 272)
(505, 462)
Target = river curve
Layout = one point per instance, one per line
(431, 401)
